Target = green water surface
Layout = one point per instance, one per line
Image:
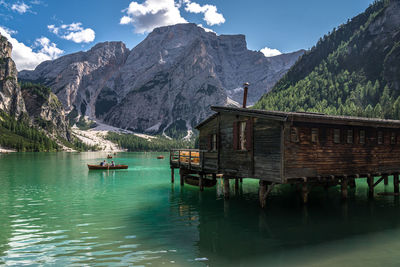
(54, 211)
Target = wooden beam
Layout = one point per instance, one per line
(370, 181)
(304, 192)
(201, 182)
(226, 188)
(182, 177)
(344, 187)
(396, 182)
(352, 182)
(385, 179)
(378, 182)
(262, 191)
(172, 175)
(214, 176)
(236, 185)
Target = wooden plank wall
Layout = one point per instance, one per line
(324, 158)
(263, 162)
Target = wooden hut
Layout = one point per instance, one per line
(293, 147)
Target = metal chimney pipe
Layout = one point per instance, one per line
(246, 85)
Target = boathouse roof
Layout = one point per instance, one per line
(303, 117)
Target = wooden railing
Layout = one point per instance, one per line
(188, 157)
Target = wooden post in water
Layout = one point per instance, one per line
(352, 182)
(241, 180)
(236, 185)
(182, 177)
(304, 192)
(344, 187)
(214, 176)
(370, 180)
(201, 182)
(396, 182)
(226, 187)
(172, 175)
(385, 179)
(262, 193)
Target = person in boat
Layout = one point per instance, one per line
(112, 163)
(103, 163)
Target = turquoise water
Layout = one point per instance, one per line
(53, 211)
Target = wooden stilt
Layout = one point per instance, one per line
(236, 185)
(370, 180)
(396, 182)
(385, 179)
(304, 192)
(182, 177)
(226, 188)
(344, 187)
(201, 182)
(172, 175)
(262, 193)
(214, 176)
(352, 182)
(241, 180)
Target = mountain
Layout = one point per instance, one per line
(31, 117)
(354, 70)
(165, 84)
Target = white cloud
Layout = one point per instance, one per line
(270, 52)
(206, 29)
(25, 57)
(211, 15)
(152, 14)
(73, 32)
(20, 7)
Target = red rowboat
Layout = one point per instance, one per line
(98, 167)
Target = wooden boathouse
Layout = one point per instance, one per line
(292, 148)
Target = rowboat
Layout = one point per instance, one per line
(160, 157)
(98, 167)
(192, 180)
(109, 157)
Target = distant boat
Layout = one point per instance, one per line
(109, 157)
(98, 167)
(160, 157)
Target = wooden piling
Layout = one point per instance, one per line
(344, 187)
(214, 176)
(396, 182)
(385, 179)
(226, 188)
(172, 175)
(262, 193)
(304, 192)
(236, 185)
(352, 182)
(241, 180)
(201, 182)
(370, 180)
(182, 177)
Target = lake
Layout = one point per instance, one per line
(54, 211)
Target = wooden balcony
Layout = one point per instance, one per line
(194, 159)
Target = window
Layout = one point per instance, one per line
(336, 136)
(380, 137)
(393, 138)
(349, 136)
(242, 135)
(314, 135)
(294, 135)
(214, 142)
(362, 137)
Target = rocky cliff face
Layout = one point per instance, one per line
(168, 81)
(11, 100)
(46, 110)
(33, 101)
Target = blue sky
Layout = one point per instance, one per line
(45, 29)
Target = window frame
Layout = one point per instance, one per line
(242, 138)
(214, 142)
(314, 135)
(350, 134)
(361, 141)
(380, 138)
(336, 136)
(294, 135)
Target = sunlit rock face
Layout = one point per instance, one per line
(169, 80)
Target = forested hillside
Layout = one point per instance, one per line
(354, 70)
